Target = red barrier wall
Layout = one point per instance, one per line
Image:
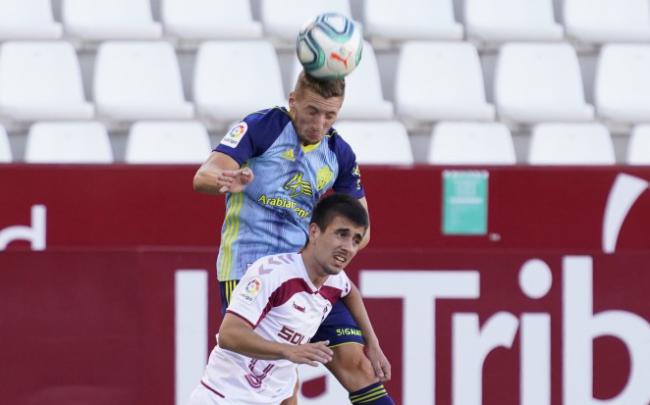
(91, 318)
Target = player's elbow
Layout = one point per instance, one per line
(227, 339)
(199, 183)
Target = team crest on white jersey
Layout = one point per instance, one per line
(235, 135)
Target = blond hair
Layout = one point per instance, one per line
(324, 88)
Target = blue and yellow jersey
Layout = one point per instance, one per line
(272, 214)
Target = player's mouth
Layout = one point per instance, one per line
(340, 259)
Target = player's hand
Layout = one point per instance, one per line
(234, 181)
(310, 353)
(380, 363)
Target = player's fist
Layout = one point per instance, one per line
(310, 353)
(234, 181)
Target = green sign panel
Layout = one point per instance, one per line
(464, 204)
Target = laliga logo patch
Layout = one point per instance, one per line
(235, 135)
(252, 289)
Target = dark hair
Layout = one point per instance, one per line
(339, 205)
(324, 88)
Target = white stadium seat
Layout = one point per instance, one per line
(283, 19)
(499, 21)
(68, 142)
(100, 20)
(377, 142)
(41, 81)
(167, 143)
(440, 81)
(5, 148)
(571, 144)
(364, 98)
(622, 86)
(138, 81)
(539, 82)
(469, 143)
(638, 148)
(390, 20)
(235, 78)
(28, 19)
(196, 20)
(603, 21)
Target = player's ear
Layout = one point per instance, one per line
(314, 230)
(292, 99)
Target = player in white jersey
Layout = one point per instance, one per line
(278, 306)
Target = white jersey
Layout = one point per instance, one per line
(281, 303)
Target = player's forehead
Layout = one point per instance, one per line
(340, 222)
(310, 99)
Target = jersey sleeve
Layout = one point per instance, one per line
(349, 178)
(251, 299)
(253, 135)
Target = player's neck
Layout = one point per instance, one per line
(316, 274)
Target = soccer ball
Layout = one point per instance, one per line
(329, 46)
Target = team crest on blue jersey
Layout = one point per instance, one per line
(323, 177)
(234, 136)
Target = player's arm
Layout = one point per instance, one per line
(237, 335)
(379, 362)
(221, 174)
(366, 237)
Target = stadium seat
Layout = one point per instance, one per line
(493, 22)
(364, 99)
(389, 20)
(235, 78)
(28, 19)
(602, 21)
(5, 149)
(469, 143)
(138, 81)
(197, 20)
(41, 81)
(377, 142)
(622, 86)
(440, 81)
(539, 82)
(638, 148)
(68, 142)
(282, 19)
(571, 144)
(99, 20)
(167, 142)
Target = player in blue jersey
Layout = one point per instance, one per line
(273, 167)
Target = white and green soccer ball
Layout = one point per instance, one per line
(329, 46)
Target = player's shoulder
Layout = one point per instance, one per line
(338, 144)
(269, 119)
(279, 267)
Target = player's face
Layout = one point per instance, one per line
(336, 245)
(313, 115)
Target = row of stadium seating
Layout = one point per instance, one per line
(377, 142)
(434, 81)
(186, 21)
